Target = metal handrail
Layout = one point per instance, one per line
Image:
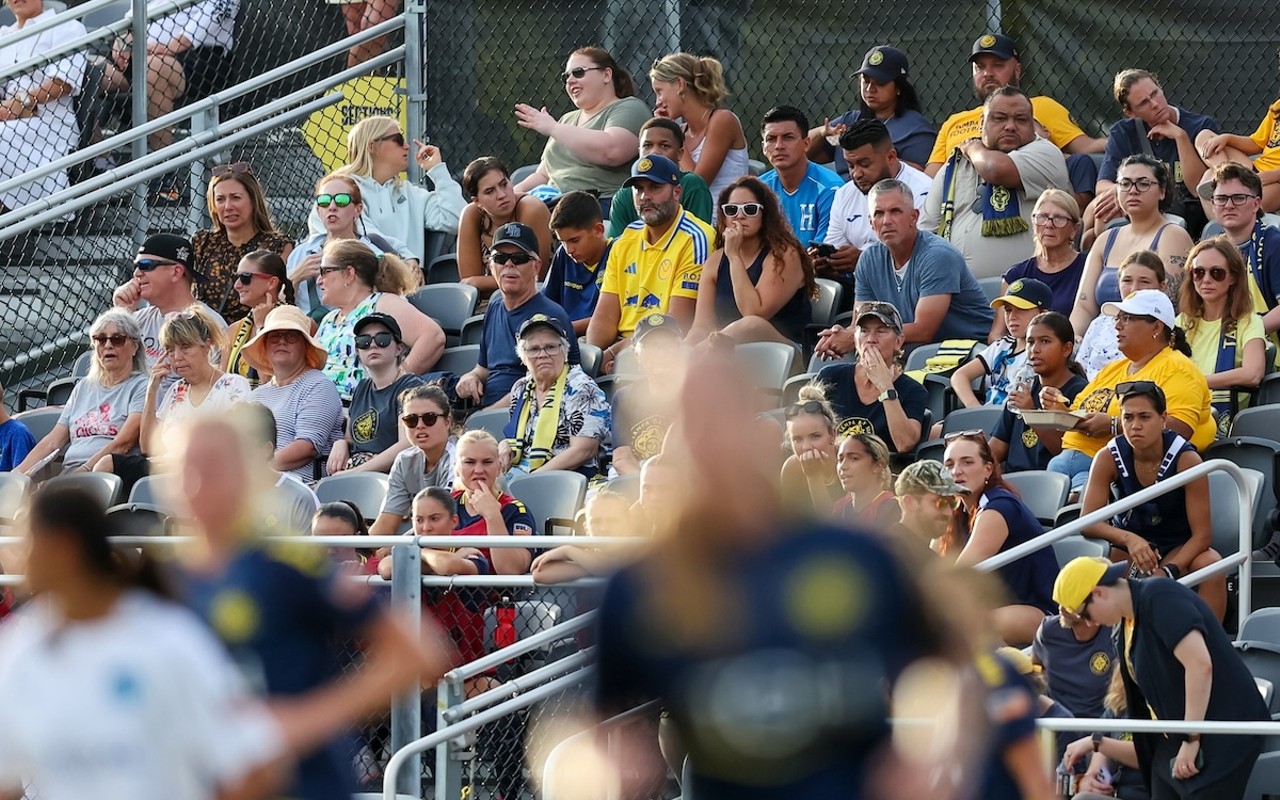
(1084, 725)
(386, 541)
(555, 633)
(213, 101)
(443, 735)
(552, 765)
(519, 685)
(185, 151)
(1241, 558)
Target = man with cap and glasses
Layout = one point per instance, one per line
(1177, 665)
(996, 61)
(885, 71)
(655, 265)
(982, 199)
(643, 410)
(920, 274)
(927, 494)
(164, 275)
(515, 265)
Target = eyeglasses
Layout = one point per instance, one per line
(519, 259)
(366, 340)
(945, 501)
(148, 264)
(341, 200)
(1051, 220)
(747, 209)
(412, 420)
(542, 350)
(1124, 318)
(396, 137)
(246, 278)
(291, 337)
(325, 270)
(980, 435)
(238, 168)
(116, 339)
(577, 73)
(1233, 199)
(1217, 274)
(1141, 184)
(1083, 613)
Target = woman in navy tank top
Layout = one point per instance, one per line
(1171, 535)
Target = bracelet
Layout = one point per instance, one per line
(1173, 571)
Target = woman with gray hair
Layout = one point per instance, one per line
(103, 416)
(559, 417)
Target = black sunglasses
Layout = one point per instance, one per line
(148, 264)
(1149, 388)
(577, 73)
(326, 269)
(366, 340)
(116, 339)
(971, 434)
(519, 259)
(748, 209)
(341, 200)
(246, 278)
(396, 137)
(807, 407)
(238, 168)
(412, 420)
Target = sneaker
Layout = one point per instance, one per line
(1269, 551)
(165, 190)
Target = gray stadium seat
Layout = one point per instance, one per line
(458, 360)
(1076, 546)
(523, 172)
(1255, 453)
(1268, 390)
(449, 304)
(14, 488)
(982, 418)
(472, 330)
(1260, 421)
(366, 489)
(626, 485)
(590, 358)
(145, 491)
(81, 367)
(442, 270)
(768, 363)
(138, 519)
(991, 286)
(39, 421)
(1045, 493)
(492, 420)
(103, 485)
(1225, 516)
(1262, 625)
(553, 497)
(827, 303)
(1264, 781)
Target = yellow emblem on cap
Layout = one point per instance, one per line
(1017, 286)
(644, 165)
(877, 58)
(987, 41)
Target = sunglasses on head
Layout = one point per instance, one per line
(366, 340)
(116, 339)
(412, 420)
(341, 200)
(747, 209)
(519, 259)
(577, 73)
(396, 137)
(246, 278)
(148, 264)
(1150, 388)
(973, 434)
(238, 168)
(1216, 274)
(807, 407)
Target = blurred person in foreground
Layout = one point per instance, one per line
(735, 599)
(281, 609)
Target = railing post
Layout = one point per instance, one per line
(406, 710)
(138, 67)
(448, 767)
(415, 12)
(203, 121)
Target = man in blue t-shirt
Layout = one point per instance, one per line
(515, 266)
(15, 439)
(920, 274)
(1154, 126)
(573, 282)
(804, 189)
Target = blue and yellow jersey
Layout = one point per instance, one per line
(646, 276)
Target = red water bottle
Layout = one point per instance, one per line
(504, 632)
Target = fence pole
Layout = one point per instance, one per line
(448, 764)
(406, 710)
(415, 14)
(138, 204)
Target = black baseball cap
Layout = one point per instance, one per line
(381, 319)
(518, 234)
(885, 312)
(997, 44)
(883, 63)
(657, 322)
(171, 247)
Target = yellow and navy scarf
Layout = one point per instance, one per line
(540, 450)
(1001, 212)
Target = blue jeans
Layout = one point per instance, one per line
(1074, 464)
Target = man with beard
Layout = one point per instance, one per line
(655, 266)
(928, 495)
(996, 62)
(869, 151)
(983, 198)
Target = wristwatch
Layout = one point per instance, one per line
(1097, 742)
(1191, 737)
(888, 394)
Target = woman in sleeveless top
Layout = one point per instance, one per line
(261, 284)
(1171, 535)
(494, 203)
(992, 519)
(1145, 193)
(756, 287)
(1141, 269)
(692, 88)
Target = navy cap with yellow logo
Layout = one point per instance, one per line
(657, 322)
(541, 321)
(1026, 293)
(997, 44)
(883, 63)
(658, 169)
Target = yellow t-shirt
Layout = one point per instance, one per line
(1186, 393)
(1204, 346)
(965, 125)
(1267, 136)
(646, 276)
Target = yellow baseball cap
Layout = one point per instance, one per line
(1078, 578)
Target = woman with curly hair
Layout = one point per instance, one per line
(759, 281)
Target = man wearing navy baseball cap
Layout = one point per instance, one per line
(996, 61)
(655, 265)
